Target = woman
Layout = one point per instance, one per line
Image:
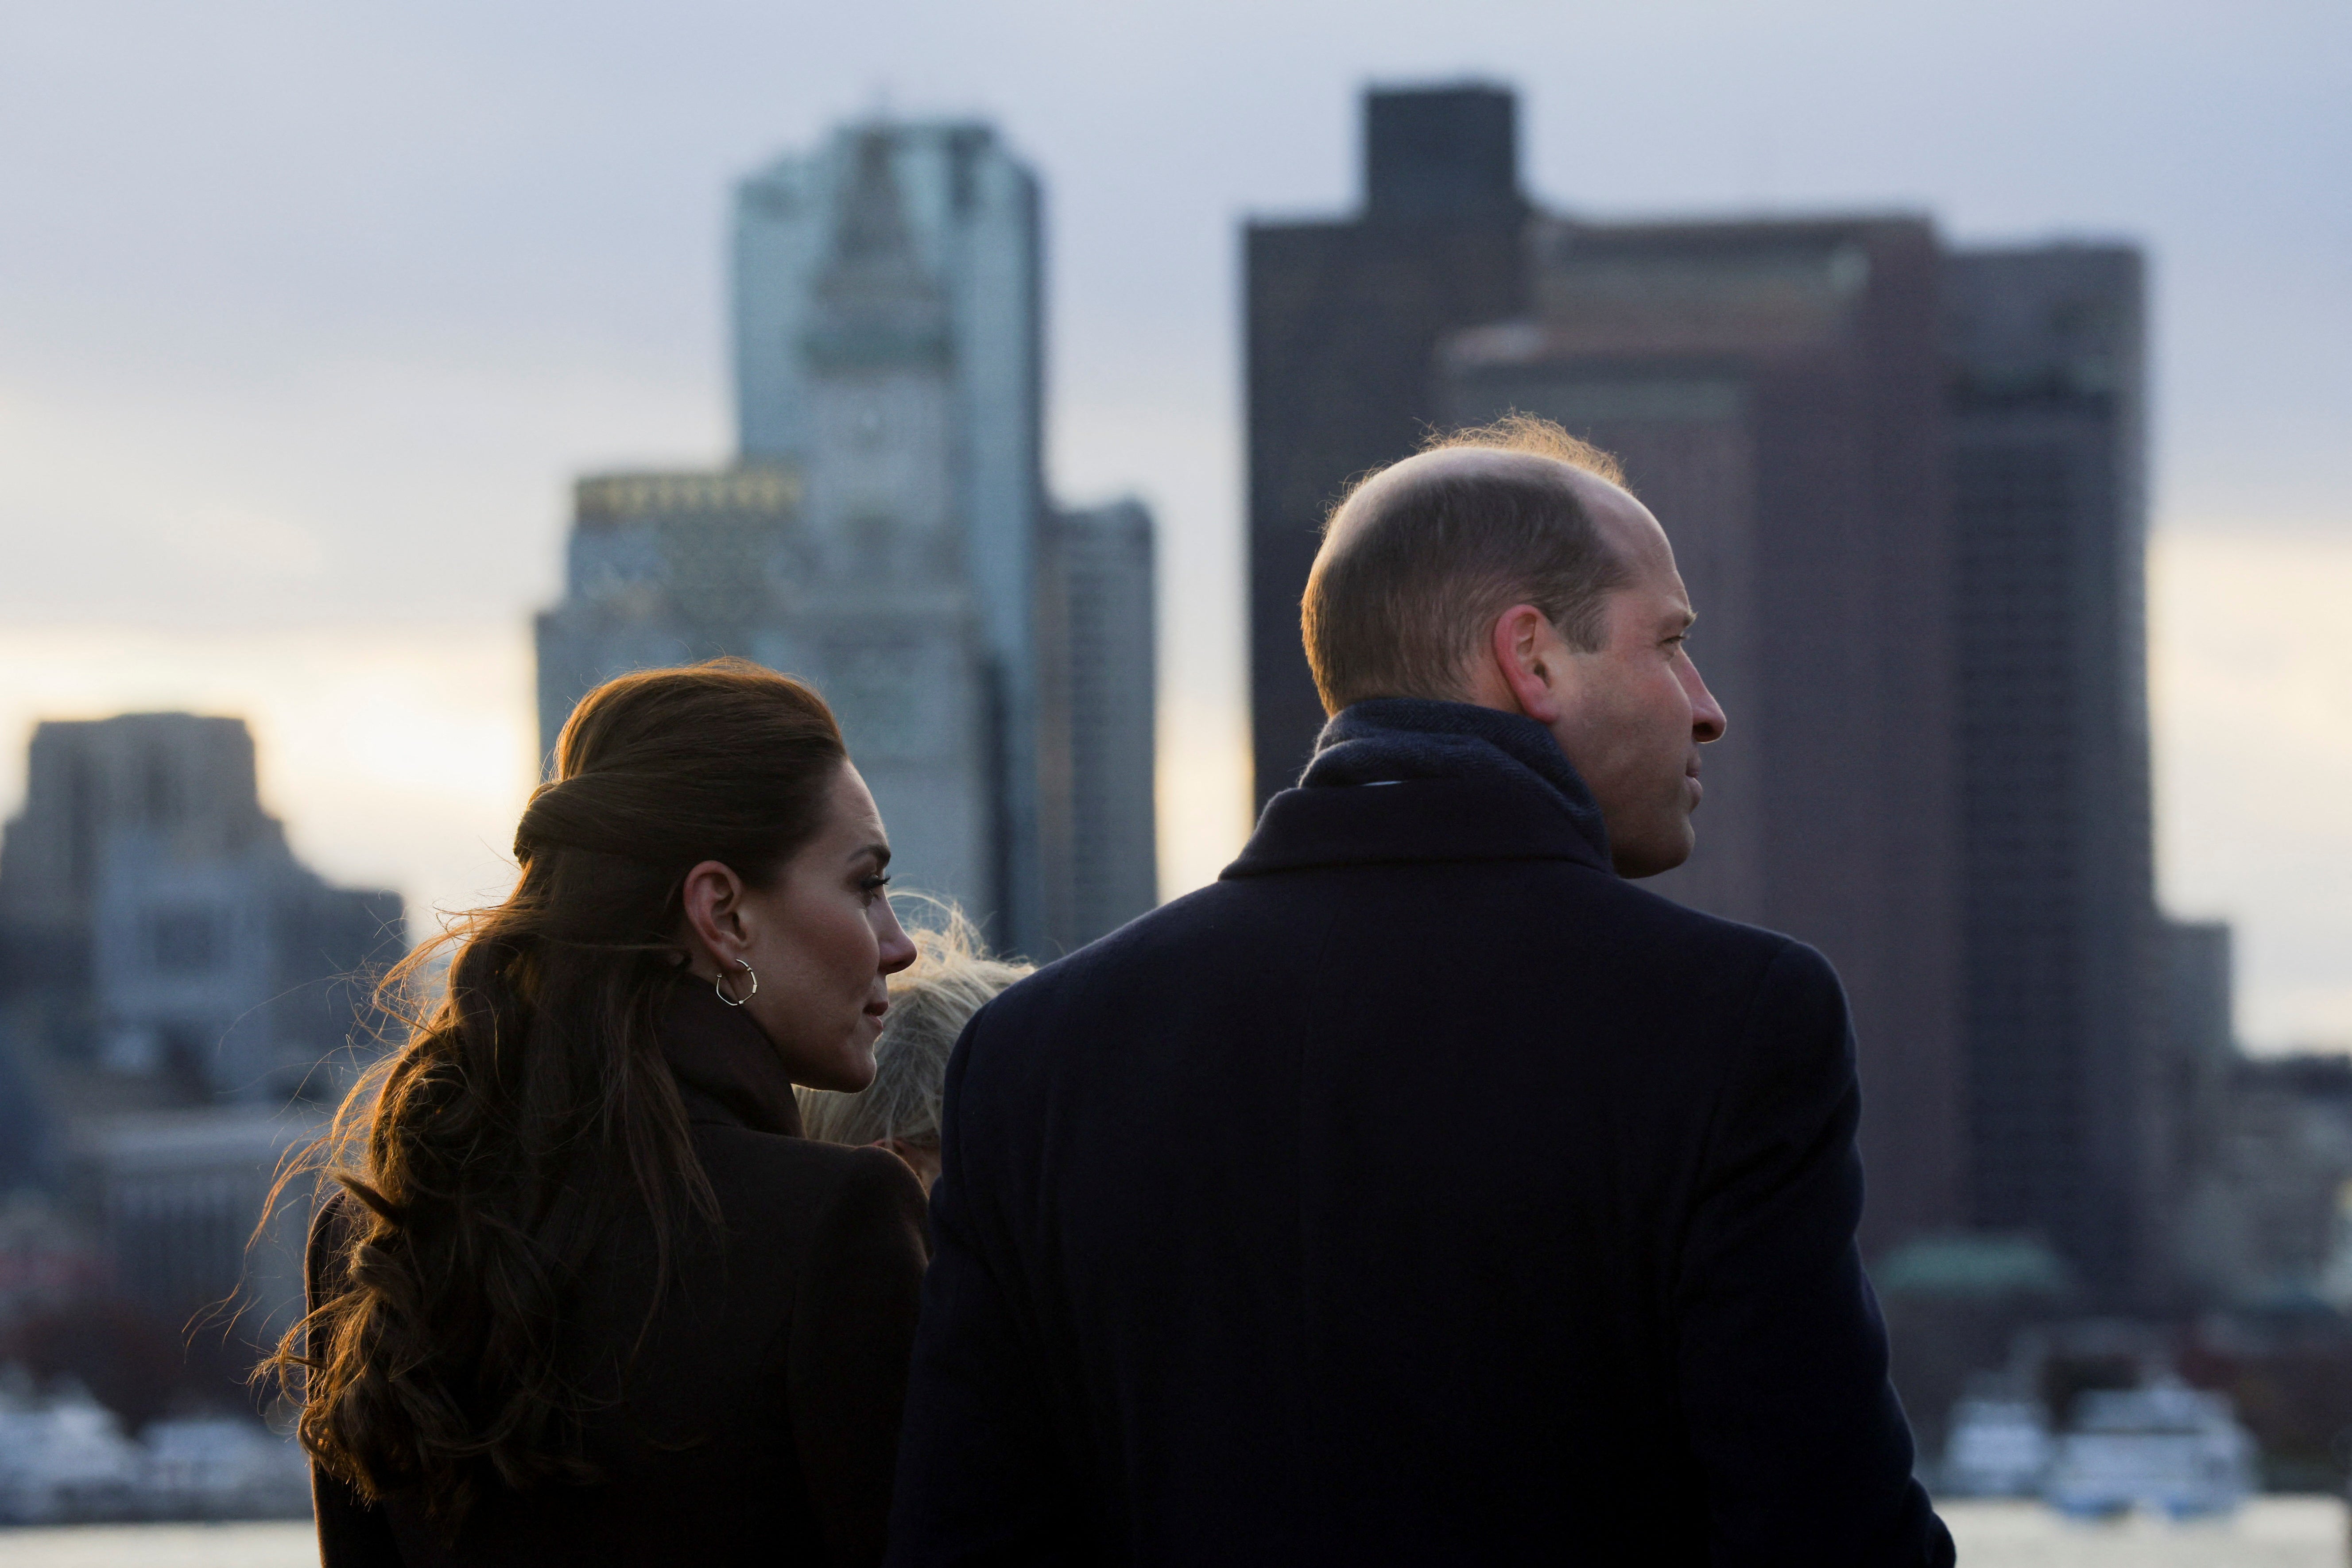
(952, 977)
(585, 1294)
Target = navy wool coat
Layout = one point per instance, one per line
(1420, 1192)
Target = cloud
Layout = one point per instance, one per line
(2251, 682)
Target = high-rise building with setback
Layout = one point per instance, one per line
(1774, 391)
(2048, 415)
(885, 536)
(1343, 320)
(158, 938)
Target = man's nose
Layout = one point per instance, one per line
(1708, 721)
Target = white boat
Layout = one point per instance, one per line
(2166, 1447)
(1997, 1447)
(67, 1461)
(224, 1467)
(63, 1461)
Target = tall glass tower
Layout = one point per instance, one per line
(884, 533)
(964, 214)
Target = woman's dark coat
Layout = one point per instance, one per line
(760, 1418)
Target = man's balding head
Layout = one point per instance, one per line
(1508, 568)
(1420, 558)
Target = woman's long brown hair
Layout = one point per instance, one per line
(531, 1103)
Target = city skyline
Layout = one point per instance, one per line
(886, 535)
(295, 488)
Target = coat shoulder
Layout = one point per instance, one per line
(1678, 927)
(1564, 926)
(768, 1176)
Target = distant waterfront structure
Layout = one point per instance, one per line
(2269, 1217)
(157, 932)
(175, 1195)
(2047, 413)
(179, 994)
(885, 536)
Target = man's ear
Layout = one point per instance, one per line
(1530, 661)
(712, 895)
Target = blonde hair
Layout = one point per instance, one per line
(931, 1002)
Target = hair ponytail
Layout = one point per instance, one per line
(530, 1102)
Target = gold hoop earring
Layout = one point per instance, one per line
(719, 983)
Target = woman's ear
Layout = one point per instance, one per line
(713, 897)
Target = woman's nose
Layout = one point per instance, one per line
(897, 947)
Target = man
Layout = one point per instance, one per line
(1424, 1192)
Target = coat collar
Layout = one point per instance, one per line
(1401, 779)
(727, 1068)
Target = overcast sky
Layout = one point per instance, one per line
(308, 313)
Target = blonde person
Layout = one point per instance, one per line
(931, 1002)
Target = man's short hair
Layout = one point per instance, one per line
(1400, 603)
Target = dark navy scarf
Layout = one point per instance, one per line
(1389, 738)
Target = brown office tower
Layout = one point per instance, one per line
(1343, 324)
(2049, 461)
(1775, 393)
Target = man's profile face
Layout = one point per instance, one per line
(1634, 711)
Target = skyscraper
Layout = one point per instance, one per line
(2048, 415)
(1774, 392)
(1096, 625)
(885, 532)
(1344, 317)
(963, 218)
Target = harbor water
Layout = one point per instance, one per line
(2268, 1533)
